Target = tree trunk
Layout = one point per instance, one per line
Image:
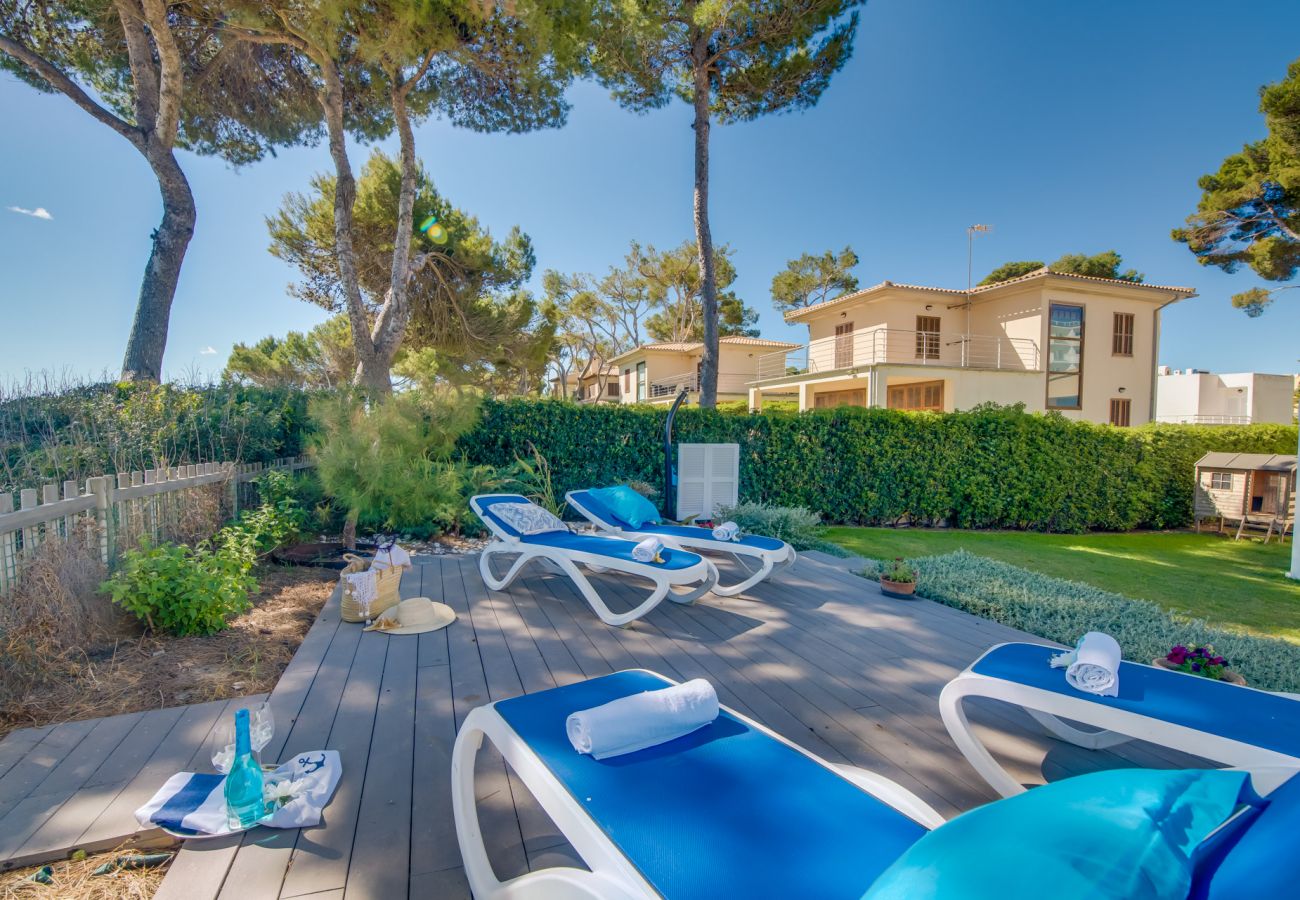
(704, 240)
(391, 323)
(369, 373)
(148, 340)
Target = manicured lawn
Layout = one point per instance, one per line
(1226, 582)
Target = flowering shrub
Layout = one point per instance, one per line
(1201, 661)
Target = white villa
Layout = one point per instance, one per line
(1080, 345)
(1198, 397)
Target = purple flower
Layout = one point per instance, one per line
(1218, 661)
(1196, 667)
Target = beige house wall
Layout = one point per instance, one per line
(1010, 317)
(737, 366)
(1105, 375)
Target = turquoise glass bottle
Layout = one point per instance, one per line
(244, 804)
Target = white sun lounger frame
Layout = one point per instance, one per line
(769, 561)
(1114, 726)
(703, 574)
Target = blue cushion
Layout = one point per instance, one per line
(593, 505)
(1116, 835)
(1253, 717)
(726, 811)
(1258, 860)
(627, 504)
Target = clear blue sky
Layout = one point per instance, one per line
(1069, 127)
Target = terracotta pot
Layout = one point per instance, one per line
(1228, 675)
(903, 590)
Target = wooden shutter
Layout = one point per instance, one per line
(927, 337)
(844, 345)
(1122, 339)
(1120, 412)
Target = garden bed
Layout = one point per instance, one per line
(133, 671)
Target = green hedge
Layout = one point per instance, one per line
(991, 467)
(107, 428)
(1064, 611)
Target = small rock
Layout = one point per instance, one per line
(238, 685)
(159, 652)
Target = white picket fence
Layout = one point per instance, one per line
(150, 501)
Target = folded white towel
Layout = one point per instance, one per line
(727, 531)
(648, 550)
(1093, 665)
(643, 720)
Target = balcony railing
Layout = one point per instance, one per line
(728, 383)
(1198, 419)
(874, 346)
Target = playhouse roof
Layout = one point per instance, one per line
(1254, 461)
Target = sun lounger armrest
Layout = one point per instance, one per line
(892, 793)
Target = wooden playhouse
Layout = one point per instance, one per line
(1251, 490)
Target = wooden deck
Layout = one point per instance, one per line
(818, 655)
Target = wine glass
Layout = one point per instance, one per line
(261, 728)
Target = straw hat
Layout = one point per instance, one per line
(414, 616)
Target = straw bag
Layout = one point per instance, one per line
(388, 583)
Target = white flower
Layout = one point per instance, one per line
(282, 793)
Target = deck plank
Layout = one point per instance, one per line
(322, 854)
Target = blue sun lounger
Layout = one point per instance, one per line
(735, 810)
(767, 554)
(567, 551)
(730, 810)
(1237, 726)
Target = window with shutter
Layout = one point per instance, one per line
(927, 337)
(1122, 339)
(919, 395)
(1120, 410)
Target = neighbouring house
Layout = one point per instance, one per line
(1197, 397)
(1082, 346)
(657, 373)
(594, 384)
(1254, 490)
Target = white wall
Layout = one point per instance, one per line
(1208, 397)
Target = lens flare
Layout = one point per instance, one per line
(428, 223)
(437, 234)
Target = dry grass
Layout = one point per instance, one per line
(52, 613)
(139, 671)
(72, 880)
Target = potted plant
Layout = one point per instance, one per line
(898, 579)
(1202, 661)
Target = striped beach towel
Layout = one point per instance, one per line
(194, 804)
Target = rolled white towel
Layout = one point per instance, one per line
(1093, 665)
(643, 720)
(648, 550)
(727, 531)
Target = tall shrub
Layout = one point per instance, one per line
(990, 467)
(389, 462)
